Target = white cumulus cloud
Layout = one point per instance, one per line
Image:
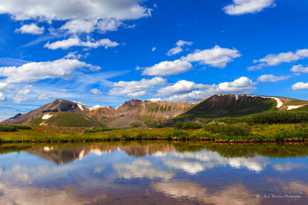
(67, 10)
(180, 44)
(35, 71)
(240, 7)
(95, 91)
(193, 96)
(189, 91)
(78, 26)
(271, 78)
(239, 85)
(165, 68)
(76, 42)
(31, 29)
(300, 86)
(217, 57)
(181, 87)
(299, 69)
(2, 96)
(76, 16)
(135, 88)
(109, 25)
(22, 94)
(277, 59)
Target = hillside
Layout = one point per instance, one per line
(134, 113)
(229, 106)
(58, 113)
(220, 118)
(293, 104)
(244, 108)
(137, 113)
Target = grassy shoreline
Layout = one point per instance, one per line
(217, 133)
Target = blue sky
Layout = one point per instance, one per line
(106, 52)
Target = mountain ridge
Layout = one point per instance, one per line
(131, 113)
(139, 113)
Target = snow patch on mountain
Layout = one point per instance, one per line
(80, 107)
(47, 116)
(294, 107)
(278, 101)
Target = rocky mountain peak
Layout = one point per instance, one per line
(231, 105)
(133, 102)
(61, 105)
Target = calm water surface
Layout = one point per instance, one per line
(153, 173)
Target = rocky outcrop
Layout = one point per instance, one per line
(139, 113)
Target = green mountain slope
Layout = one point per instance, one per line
(138, 113)
(229, 106)
(134, 113)
(60, 113)
(67, 119)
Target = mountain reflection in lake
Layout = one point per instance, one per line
(153, 173)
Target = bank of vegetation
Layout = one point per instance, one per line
(219, 132)
(271, 126)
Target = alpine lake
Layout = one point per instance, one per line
(154, 173)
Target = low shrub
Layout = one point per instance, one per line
(8, 129)
(98, 129)
(279, 117)
(188, 125)
(239, 129)
(284, 134)
(13, 128)
(178, 134)
(136, 125)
